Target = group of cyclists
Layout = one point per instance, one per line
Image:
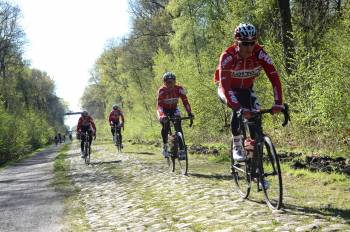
(86, 124)
(59, 138)
(238, 67)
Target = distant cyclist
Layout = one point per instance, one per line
(238, 67)
(116, 121)
(167, 99)
(85, 123)
(59, 137)
(56, 139)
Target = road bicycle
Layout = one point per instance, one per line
(177, 146)
(87, 147)
(262, 162)
(116, 138)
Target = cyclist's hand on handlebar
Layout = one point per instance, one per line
(277, 109)
(163, 119)
(94, 136)
(191, 115)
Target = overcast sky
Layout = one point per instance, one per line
(65, 37)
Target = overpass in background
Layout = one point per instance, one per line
(72, 113)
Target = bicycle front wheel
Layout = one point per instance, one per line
(271, 175)
(183, 157)
(117, 143)
(241, 173)
(173, 149)
(87, 153)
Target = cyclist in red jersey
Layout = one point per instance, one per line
(116, 120)
(85, 123)
(238, 67)
(167, 99)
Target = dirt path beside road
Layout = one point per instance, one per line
(28, 201)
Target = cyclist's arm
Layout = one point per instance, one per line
(111, 118)
(160, 97)
(273, 76)
(216, 78)
(121, 118)
(224, 72)
(184, 99)
(93, 125)
(79, 125)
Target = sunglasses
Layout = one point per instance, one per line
(246, 43)
(169, 81)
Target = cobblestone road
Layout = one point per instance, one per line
(124, 193)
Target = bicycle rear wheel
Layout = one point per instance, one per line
(241, 173)
(271, 172)
(183, 159)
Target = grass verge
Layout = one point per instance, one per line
(74, 218)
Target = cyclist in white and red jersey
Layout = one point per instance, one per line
(116, 121)
(238, 67)
(167, 99)
(85, 123)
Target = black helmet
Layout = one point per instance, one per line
(169, 76)
(84, 113)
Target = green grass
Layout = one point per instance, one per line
(317, 191)
(74, 218)
(61, 167)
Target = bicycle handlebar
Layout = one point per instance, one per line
(180, 119)
(285, 112)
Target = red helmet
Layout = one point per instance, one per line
(245, 32)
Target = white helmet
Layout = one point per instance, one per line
(245, 32)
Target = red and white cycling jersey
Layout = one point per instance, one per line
(86, 123)
(114, 116)
(168, 99)
(234, 72)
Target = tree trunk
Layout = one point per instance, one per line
(287, 36)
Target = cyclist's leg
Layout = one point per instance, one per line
(90, 137)
(238, 152)
(112, 130)
(252, 103)
(234, 119)
(82, 140)
(235, 127)
(177, 123)
(165, 131)
(166, 126)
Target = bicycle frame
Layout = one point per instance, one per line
(178, 143)
(256, 160)
(117, 137)
(87, 147)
